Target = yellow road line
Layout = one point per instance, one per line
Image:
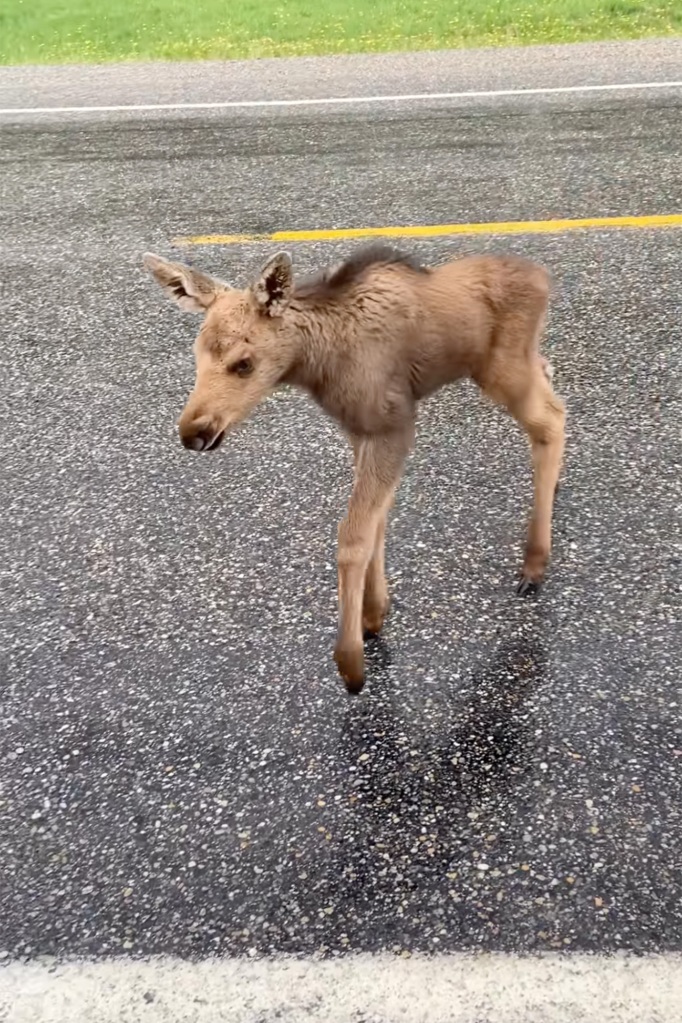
(437, 230)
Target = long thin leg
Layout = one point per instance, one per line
(542, 415)
(525, 390)
(377, 474)
(376, 598)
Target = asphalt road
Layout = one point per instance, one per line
(647, 60)
(181, 770)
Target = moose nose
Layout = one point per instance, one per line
(196, 443)
(197, 435)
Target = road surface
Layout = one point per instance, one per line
(181, 771)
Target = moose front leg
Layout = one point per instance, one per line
(375, 598)
(378, 468)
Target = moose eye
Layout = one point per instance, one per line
(242, 368)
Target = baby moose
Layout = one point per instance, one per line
(367, 340)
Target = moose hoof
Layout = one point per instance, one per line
(351, 664)
(373, 619)
(528, 587)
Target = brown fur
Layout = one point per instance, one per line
(369, 339)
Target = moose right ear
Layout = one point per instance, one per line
(191, 289)
(274, 286)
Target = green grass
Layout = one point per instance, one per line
(55, 31)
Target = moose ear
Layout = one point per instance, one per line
(274, 285)
(192, 290)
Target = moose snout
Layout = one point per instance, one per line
(200, 434)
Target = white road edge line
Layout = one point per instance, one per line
(460, 988)
(345, 100)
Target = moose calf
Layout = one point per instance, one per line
(367, 340)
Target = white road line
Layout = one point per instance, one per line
(344, 100)
(496, 988)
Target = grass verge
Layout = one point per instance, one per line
(57, 31)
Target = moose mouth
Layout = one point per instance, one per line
(214, 444)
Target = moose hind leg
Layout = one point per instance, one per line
(527, 393)
(542, 415)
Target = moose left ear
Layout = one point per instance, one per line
(192, 290)
(275, 284)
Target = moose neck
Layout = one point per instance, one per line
(314, 336)
(327, 360)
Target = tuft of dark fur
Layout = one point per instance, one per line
(331, 283)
